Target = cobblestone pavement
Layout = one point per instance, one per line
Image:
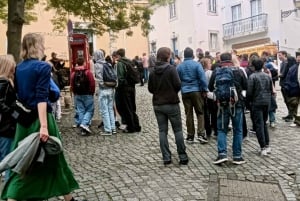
(129, 166)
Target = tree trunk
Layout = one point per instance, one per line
(15, 23)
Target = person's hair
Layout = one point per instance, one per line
(108, 59)
(226, 57)
(188, 52)
(204, 62)
(32, 46)
(144, 54)
(136, 57)
(114, 54)
(7, 67)
(265, 53)
(245, 57)
(257, 63)
(283, 52)
(234, 51)
(80, 61)
(121, 52)
(235, 61)
(163, 54)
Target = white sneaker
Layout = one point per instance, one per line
(263, 152)
(293, 125)
(86, 128)
(122, 126)
(272, 124)
(268, 150)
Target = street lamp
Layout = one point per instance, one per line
(285, 14)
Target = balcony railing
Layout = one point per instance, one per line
(251, 25)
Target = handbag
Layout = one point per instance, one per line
(24, 115)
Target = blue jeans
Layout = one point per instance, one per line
(237, 124)
(106, 107)
(164, 113)
(5, 144)
(272, 117)
(84, 107)
(145, 74)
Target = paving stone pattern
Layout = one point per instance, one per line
(129, 166)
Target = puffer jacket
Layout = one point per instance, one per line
(7, 105)
(259, 89)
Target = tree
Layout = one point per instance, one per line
(104, 15)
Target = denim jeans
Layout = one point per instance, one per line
(272, 117)
(164, 113)
(5, 144)
(194, 101)
(146, 72)
(106, 107)
(260, 117)
(84, 107)
(237, 126)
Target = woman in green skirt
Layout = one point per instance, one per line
(53, 177)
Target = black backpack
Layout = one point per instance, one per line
(109, 75)
(81, 82)
(132, 73)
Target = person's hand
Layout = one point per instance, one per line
(44, 135)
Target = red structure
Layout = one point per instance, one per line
(78, 47)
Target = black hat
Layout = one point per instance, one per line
(188, 53)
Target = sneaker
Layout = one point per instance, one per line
(86, 128)
(221, 159)
(189, 139)
(272, 125)
(293, 125)
(122, 126)
(113, 132)
(75, 126)
(202, 139)
(83, 132)
(238, 161)
(167, 162)
(268, 150)
(263, 152)
(184, 162)
(106, 133)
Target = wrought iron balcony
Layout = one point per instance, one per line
(247, 26)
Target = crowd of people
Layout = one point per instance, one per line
(220, 90)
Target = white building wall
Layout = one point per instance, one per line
(191, 26)
(282, 32)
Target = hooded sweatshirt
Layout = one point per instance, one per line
(100, 60)
(164, 84)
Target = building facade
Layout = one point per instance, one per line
(261, 25)
(187, 23)
(57, 42)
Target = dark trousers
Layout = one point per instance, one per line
(260, 117)
(285, 98)
(210, 117)
(126, 106)
(163, 114)
(194, 101)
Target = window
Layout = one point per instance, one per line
(213, 41)
(256, 7)
(172, 7)
(212, 6)
(236, 12)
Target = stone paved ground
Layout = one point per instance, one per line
(129, 166)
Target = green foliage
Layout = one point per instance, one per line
(105, 15)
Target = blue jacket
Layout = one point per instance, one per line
(192, 76)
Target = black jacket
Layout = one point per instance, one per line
(7, 105)
(164, 84)
(260, 87)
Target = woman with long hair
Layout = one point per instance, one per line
(7, 102)
(53, 177)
